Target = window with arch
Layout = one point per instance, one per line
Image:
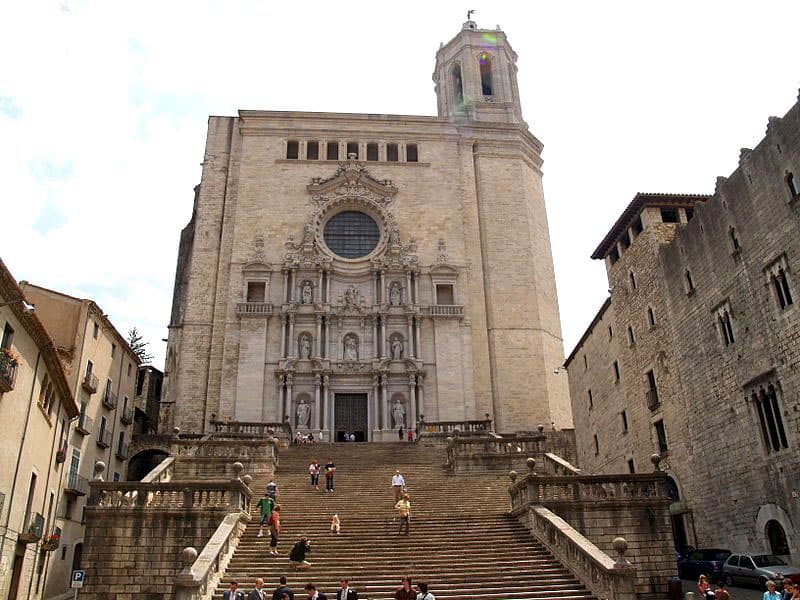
(777, 274)
(776, 537)
(458, 87)
(485, 64)
(725, 324)
(770, 417)
(793, 185)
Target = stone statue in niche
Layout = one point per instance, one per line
(350, 348)
(351, 296)
(395, 296)
(303, 414)
(308, 233)
(305, 346)
(306, 293)
(394, 236)
(398, 415)
(397, 348)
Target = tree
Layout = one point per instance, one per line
(139, 346)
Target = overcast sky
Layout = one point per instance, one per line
(103, 109)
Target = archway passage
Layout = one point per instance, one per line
(350, 417)
(142, 463)
(679, 534)
(776, 536)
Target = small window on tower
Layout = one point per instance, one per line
(411, 153)
(637, 226)
(444, 294)
(372, 151)
(794, 186)
(669, 215)
(391, 153)
(292, 149)
(485, 63)
(332, 152)
(352, 148)
(458, 87)
(256, 291)
(312, 150)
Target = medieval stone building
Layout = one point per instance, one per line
(695, 354)
(358, 272)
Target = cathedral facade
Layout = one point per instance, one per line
(358, 273)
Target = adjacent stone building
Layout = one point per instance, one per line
(356, 272)
(36, 410)
(695, 354)
(101, 372)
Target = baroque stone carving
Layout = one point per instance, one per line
(398, 415)
(397, 348)
(305, 346)
(303, 414)
(307, 293)
(395, 296)
(350, 347)
(351, 180)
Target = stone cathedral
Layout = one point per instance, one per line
(356, 273)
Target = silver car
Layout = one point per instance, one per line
(756, 569)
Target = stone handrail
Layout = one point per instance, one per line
(605, 577)
(232, 495)
(444, 310)
(162, 472)
(242, 449)
(201, 574)
(256, 309)
(483, 425)
(554, 489)
(555, 465)
(248, 427)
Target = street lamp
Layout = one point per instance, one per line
(26, 306)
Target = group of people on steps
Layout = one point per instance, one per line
(407, 591)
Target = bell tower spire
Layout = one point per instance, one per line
(476, 76)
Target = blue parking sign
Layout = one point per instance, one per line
(78, 577)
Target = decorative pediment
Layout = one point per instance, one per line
(351, 180)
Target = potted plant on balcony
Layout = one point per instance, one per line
(8, 368)
(51, 542)
(61, 453)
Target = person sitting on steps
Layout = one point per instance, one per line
(297, 555)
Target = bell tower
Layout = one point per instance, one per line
(476, 77)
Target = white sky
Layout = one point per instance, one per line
(103, 109)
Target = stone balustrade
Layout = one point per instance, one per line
(453, 311)
(230, 495)
(249, 428)
(555, 465)
(253, 309)
(604, 576)
(201, 574)
(451, 427)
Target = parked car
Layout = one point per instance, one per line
(703, 561)
(756, 569)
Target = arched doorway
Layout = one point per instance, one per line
(776, 537)
(142, 463)
(678, 522)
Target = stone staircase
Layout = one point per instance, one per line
(462, 542)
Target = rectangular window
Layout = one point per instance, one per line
(444, 294)
(614, 255)
(292, 149)
(8, 337)
(610, 333)
(782, 291)
(624, 415)
(95, 330)
(116, 476)
(631, 466)
(372, 151)
(616, 371)
(89, 367)
(591, 400)
(256, 291)
(312, 150)
(332, 152)
(585, 363)
(129, 369)
(636, 227)
(689, 214)
(632, 277)
(392, 155)
(352, 148)
(631, 336)
(596, 445)
(669, 215)
(103, 424)
(113, 350)
(770, 417)
(661, 436)
(689, 281)
(651, 318)
(411, 153)
(139, 382)
(625, 240)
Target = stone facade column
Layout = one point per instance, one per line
(384, 346)
(286, 285)
(421, 393)
(385, 401)
(373, 410)
(416, 288)
(328, 287)
(283, 336)
(327, 337)
(408, 299)
(418, 322)
(410, 344)
(281, 400)
(375, 349)
(383, 288)
(317, 404)
(329, 409)
(412, 401)
(318, 345)
(289, 397)
(292, 345)
(318, 296)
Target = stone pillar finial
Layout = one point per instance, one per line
(512, 475)
(238, 469)
(99, 469)
(540, 427)
(620, 545)
(176, 431)
(188, 556)
(531, 462)
(247, 480)
(656, 460)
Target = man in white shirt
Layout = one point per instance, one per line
(398, 483)
(258, 593)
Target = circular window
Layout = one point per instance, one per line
(351, 234)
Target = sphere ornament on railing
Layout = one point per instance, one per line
(188, 556)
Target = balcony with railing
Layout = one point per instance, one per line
(90, 382)
(104, 438)
(8, 371)
(76, 485)
(652, 398)
(453, 311)
(84, 425)
(33, 530)
(127, 415)
(109, 399)
(122, 451)
(253, 309)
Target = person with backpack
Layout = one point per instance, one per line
(265, 505)
(274, 524)
(283, 590)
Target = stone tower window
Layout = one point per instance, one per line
(615, 366)
(637, 226)
(392, 154)
(735, 246)
(661, 436)
(352, 148)
(651, 317)
(631, 466)
(458, 87)
(632, 277)
(794, 186)
(767, 405)
(351, 234)
(689, 281)
(779, 280)
(596, 445)
(312, 150)
(292, 149)
(485, 64)
(372, 151)
(625, 240)
(614, 255)
(444, 294)
(332, 151)
(591, 399)
(725, 325)
(411, 153)
(631, 336)
(669, 215)
(624, 416)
